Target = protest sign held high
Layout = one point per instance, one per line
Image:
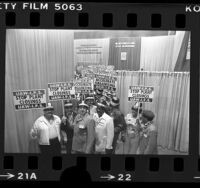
(140, 93)
(105, 82)
(84, 86)
(29, 99)
(60, 90)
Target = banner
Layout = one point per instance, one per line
(60, 90)
(140, 93)
(84, 86)
(29, 99)
(91, 52)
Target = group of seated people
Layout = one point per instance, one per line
(96, 125)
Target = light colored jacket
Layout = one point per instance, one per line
(84, 134)
(104, 133)
(40, 129)
(132, 126)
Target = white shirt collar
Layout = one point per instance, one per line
(104, 116)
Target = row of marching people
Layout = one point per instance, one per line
(96, 126)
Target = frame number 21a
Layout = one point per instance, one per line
(26, 176)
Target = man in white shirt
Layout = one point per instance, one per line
(104, 130)
(47, 130)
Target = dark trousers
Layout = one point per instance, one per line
(54, 147)
(70, 134)
(114, 144)
(69, 146)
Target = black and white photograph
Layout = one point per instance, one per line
(120, 92)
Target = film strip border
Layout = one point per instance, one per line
(100, 16)
(84, 21)
(129, 169)
(123, 17)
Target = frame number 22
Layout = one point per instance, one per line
(124, 177)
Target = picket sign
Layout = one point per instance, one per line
(29, 99)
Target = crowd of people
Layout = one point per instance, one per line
(95, 125)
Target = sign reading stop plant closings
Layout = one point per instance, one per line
(29, 99)
(141, 93)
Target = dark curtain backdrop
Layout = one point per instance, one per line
(133, 54)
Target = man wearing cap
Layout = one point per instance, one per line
(84, 131)
(148, 136)
(132, 131)
(47, 130)
(119, 121)
(90, 101)
(66, 124)
(104, 130)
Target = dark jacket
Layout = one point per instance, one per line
(119, 126)
(119, 121)
(148, 140)
(67, 126)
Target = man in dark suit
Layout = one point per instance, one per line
(66, 124)
(148, 135)
(119, 121)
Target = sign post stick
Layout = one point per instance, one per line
(143, 80)
(63, 107)
(138, 111)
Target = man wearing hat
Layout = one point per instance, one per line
(66, 124)
(47, 130)
(99, 94)
(104, 130)
(107, 96)
(84, 131)
(90, 101)
(119, 121)
(132, 131)
(148, 136)
(75, 103)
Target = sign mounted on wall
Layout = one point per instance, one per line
(124, 44)
(60, 91)
(29, 99)
(123, 56)
(91, 51)
(141, 93)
